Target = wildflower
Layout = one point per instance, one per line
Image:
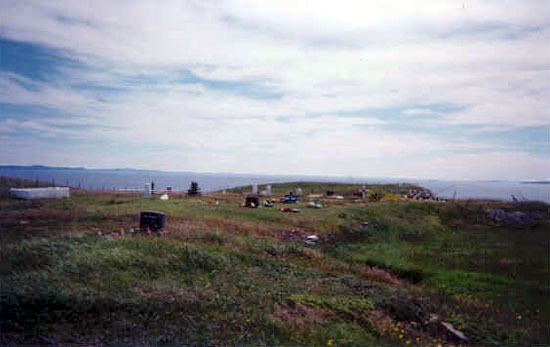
(400, 336)
(247, 321)
(408, 342)
(537, 310)
(518, 317)
(329, 342)
(418, 339)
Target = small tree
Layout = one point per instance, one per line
(194, 189)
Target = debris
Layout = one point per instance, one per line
(455, 332)
(312, 239)
(268, 204)
(289, 199)
(314, 205)
(164, 197)
(288, 209)
(421, 194)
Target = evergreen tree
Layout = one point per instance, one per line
(194, 189)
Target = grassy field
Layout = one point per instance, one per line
(234, 275)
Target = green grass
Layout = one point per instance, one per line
(232, 275)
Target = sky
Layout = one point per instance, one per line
(424, 89)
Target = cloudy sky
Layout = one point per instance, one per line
(427, 89)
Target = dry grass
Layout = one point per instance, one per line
(297, 316)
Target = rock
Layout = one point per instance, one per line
(513, 218)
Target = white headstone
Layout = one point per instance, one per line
(147, 190)
(298, 191)
(268, 190)
(254, 188)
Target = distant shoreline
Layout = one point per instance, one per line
(337, 178)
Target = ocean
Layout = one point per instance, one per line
(179, 181)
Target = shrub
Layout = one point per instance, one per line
(194, 189)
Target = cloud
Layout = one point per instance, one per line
(213, 79)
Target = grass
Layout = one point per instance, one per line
(233, 275)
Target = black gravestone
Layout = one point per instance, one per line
(151, 220)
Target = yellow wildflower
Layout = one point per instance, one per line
(400, 336)
(329, 342)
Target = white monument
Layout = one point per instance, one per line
(147, 190)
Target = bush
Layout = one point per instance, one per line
(194, 189)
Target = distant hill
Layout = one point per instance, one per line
(39, 167)
(43, 167)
